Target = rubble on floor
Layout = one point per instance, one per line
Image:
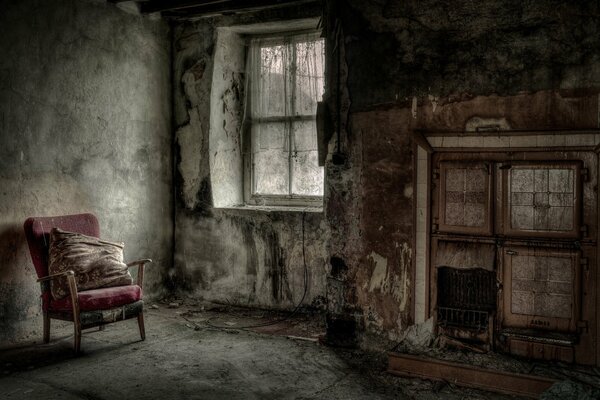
(420, 339)
(569, 390)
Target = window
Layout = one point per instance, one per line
(286, 80)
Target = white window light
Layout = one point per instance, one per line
(285, 81)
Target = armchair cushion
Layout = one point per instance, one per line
(96, 263)
(100, 299)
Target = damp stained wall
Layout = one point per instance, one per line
(84, 127)
(222, 253)
(435, 65)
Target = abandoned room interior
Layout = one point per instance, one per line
(299, 199)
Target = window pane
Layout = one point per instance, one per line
(309, 88)
(307, 176)
(269, 136)
(270, 157)
(272, 96)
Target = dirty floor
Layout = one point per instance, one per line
(194, 353)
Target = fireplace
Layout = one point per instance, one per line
(512, 250)
(465, 297)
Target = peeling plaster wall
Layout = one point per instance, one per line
(382, 273)
(437, 66)
(84, 127)
(243, 257)
(227, 94)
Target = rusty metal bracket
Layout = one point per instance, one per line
(584, 264)
(585, 174)
(582, 326)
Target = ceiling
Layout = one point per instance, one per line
(184, 9)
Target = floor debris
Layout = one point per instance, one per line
(569, 390)
(221, 364)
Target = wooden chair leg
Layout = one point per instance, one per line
(141, 325)
(75, 305)
(77, 337)
(46, 327)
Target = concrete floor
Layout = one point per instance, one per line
(184, 358)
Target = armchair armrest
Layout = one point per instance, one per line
(54, 276)
(140, 264)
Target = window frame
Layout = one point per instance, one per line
(283, 200)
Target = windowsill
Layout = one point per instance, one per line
(268, 209)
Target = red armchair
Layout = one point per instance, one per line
(88, 308)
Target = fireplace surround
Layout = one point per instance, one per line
(508, 241)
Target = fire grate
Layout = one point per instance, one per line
(448, 316)
(467, 289)
(465, 297)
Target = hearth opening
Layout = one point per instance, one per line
(467, 297)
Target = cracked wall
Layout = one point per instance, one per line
(235, 256)
(84, 127)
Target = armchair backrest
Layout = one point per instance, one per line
(37, 231)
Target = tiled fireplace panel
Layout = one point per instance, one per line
(543, 200)
(466, 201)
(541, 288)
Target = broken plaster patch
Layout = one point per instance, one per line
(401, 287)
(196, 91)
(189, 138)
(418, 336)
(387, 281)
(379, 275)
(413, 109)
(476, 124)
(434, 102)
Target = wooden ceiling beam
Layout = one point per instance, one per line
(152, 6)
(230, 6)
